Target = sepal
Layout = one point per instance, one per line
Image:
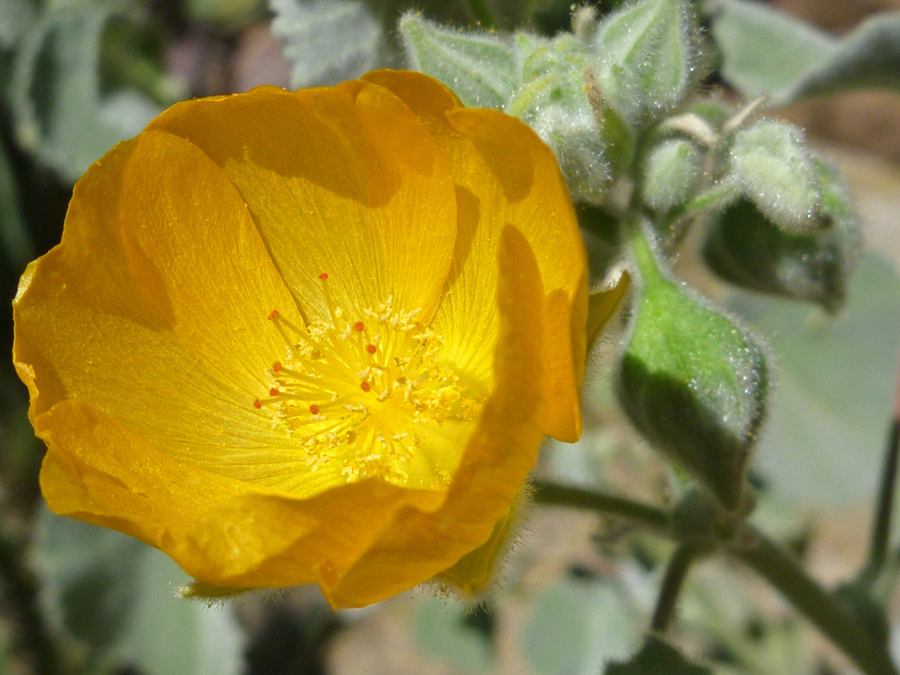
(692, 381)
(649, 56)
(771, 163)
(746, 248)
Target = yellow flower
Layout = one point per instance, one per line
(309, 337)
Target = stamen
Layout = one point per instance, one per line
(352, 392)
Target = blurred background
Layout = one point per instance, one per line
(77, 76)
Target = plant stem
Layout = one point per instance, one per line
(781, 570)
(673, 582)
(881, 525)
(647, 517)
(482, 13)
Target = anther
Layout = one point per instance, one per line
(359, 326)
(273, 392)
(276, 367)
(274, 314)
(257, 404)
(371, 349)
(323, 276)
(365, 386)
(314, 409)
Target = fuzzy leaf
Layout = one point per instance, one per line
(768, 52)
(326, 41)
(825, 436)
(560, 635)
(58, 111)
(116, 596)
(479, 67)
(15, 17)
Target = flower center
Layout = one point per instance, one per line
(364, 390)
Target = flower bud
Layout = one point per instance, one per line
(672, 171)
(692, 381)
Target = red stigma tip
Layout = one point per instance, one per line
(371, 349)
(359, 326)
(276, 367)
(257, 404)
(365, 386)
(323, 276)
(314, 409)
(274, 314)
(273, 392)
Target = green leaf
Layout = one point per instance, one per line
(672, 170)
(868, 57)
(657, 657)
(326, 41)
(693, 382)
(827, 426)
(58, 112)
(480, 67)
(577, 626)
(648, 57)
(441, 630)
(771, 163)
(15, 17)
(768, 52)
(765, 51)
(117, 596)
(747, 249)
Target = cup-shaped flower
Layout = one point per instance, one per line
(309, 337)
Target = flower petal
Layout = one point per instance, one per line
(505, 175)
(355, 168)
(153, 312)
(222, 531)
(497, 460)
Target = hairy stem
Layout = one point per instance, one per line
(781, 570)
(673, 582)
(647, 517)
(881, 524)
